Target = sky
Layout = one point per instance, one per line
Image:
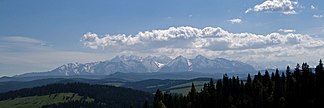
(40, 35)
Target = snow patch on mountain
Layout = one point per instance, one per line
(137, 64)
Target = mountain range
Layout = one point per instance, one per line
(149, 64)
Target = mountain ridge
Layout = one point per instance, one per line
(149, 64)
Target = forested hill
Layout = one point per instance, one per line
(295, 88)
(104, 96)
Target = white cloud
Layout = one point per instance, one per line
(318, 16)
(213, 42)
(283, 6)
(22, 40)
(287, 30)
(21, 44)
(313, 7)
(189, 37)
(235, 21)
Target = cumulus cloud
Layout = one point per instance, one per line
(287, 30)
(318, 16)
(235, 21)
(212, 42)
(283, 6)
(209, 38)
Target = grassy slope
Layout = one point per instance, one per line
(38, 101)
(186, 87)
(188, 84)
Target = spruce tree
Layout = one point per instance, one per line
(158, 97)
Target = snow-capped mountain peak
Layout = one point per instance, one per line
(179, 64)
(200, 57)
(159, 64)
(162, 63)
(179, 59)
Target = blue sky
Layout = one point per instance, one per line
(39, 35)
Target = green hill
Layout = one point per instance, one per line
(39, 101)
(74, 95)
(185, 87)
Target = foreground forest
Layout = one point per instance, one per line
(295, 88)
(74, 95)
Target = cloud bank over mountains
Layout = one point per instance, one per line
(211, 42)
(215, 39)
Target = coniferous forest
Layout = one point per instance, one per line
(299, 87)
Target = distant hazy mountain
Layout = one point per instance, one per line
(205, 65)
(136, 64)
(179, 64)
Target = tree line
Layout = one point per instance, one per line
(295, 88)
